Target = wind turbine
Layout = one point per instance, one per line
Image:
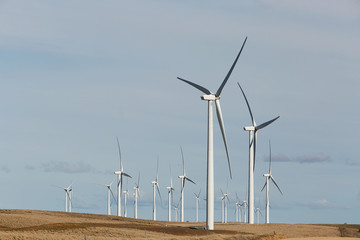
(183, 178)
(268, 177)
(109, 191)
(120, 175)
(237, 209)
(225, 199)
(257, 211)
(211, 97)
(252, 151)
(170, 196)
(245, 204)
(136, 196)
(156, 185)
(126, 194)
(68, 191)
(197, 206)
(176, 208)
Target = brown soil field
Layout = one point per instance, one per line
(32, 224)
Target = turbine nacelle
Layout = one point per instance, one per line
(210, 97)
(267, 175)
(250, 128)
(118, 172)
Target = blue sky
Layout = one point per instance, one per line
(74, 75)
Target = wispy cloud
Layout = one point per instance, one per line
(315, 158)
(351, 163)
(5, 168)
(317, 204)
(66, 167)
(312, 158)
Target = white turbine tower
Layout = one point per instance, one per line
(136, 197)
(211, 97)
(156, 186)
(109, 192)
(68, 191)
(245, 204)
(268, 177)
(225, 199)
(222, 208)
(126, 194)
(197, 196)
(252, 151)
(176, 208)
(183, 179)
(120, 175)
(237, 209)
(170, 197)
(257, 211)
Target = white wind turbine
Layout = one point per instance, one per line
(176, 208)
(211, 97)
(156, 186)
(257, 211)
(126, 194)
(197, 196)
(245, 205)
(222, 208)
(252, 151)
(237, 209)
(136, 197)
(68, 191)
(170, 197)
(183, 178)
(120, 175)
(225, 199)
(268, 177)
(109, 192)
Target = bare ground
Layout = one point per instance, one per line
(31, 224)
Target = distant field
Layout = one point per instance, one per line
(31, 224)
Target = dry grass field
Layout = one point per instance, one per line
(46, 225)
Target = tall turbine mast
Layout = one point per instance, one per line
(210, 98)
(156, 186)
(136, 197)
(268, 177)
(252, 151)
(120, 175)
(183, 178)
(170, 196)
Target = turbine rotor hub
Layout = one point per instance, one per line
(210, 97)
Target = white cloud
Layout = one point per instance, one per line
(5, 168)
(312, 158)
(66, 167)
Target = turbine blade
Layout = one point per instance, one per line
(158, 189)
(190, 180)
(255, 142)
(247, 103)
(157, 169)
(230, 71)
(270, 158)
(266, 123)
(112, 194)
(126, 175)
(183, 162)
(204, 90)
(121, 183)
(221, 123)
(263, 187)
(138, 182)
(117, 139)
(276, 185)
